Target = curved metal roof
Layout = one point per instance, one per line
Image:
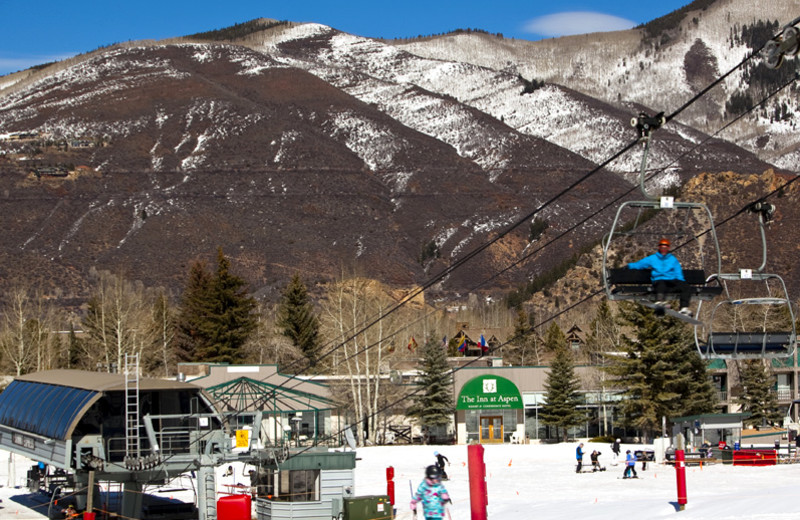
(51, 403)
(44, 409)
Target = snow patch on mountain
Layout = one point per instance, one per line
(375, 144)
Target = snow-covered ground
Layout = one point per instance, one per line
(539, 481)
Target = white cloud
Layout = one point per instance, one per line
(17, 63)
(578, 22)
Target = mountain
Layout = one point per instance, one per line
(299, 148)
(662, 65)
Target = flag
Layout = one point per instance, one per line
(412, 344)
(463, 345)
(484, 347)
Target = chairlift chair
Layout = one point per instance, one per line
(750, 296)
(688, 225)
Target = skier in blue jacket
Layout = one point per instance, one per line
(579, 457)
(432, 494)
(630, 465)
(666, 274)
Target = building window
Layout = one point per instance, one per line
(299, 485)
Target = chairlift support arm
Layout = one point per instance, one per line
(785, 44)
(645, 125)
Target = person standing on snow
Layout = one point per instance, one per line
(440, 461)
(630, 465)
(432, 494)
(596, 463)
(579, 457)
(615, 449)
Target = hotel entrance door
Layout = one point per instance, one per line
(491, 429)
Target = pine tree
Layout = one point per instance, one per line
(433, 403)
(297, 320)
(74, 349)
(216, 315)
(758, 395)
(561, 386)
(661, 375)
(232, 320)
(192, 334)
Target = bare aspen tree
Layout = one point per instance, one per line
(118, 321)
(16, 346)
(351, 304)
(267, 345)
(42, 328)
(28, 337)
(163, 329)
(604, 337)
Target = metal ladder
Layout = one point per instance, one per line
(132, 446)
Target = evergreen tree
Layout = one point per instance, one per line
(561, 386)
(232, 320)
(297, 321)
(192, 331)
(758, 394)
(433, 403)
(74, 349)
(216, 315)
(661, 374)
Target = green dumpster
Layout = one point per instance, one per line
(370, 507)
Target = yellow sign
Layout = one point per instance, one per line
(242, 438)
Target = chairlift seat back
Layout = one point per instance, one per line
(734, 343)
(636, 283)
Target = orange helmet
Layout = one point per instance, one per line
(663, 242)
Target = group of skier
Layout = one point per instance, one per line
(593, 457)
(630, 460)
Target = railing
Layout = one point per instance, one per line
(784, 394)
(722, 395)
(170, 442)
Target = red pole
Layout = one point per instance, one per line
(478, 495)
(390, 483)
(680, 472)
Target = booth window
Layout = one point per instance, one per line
(299, 485)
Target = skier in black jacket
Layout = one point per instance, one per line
(615, 449)
(440, 460)
(595, 463)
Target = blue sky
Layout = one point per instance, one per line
(39, 32)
